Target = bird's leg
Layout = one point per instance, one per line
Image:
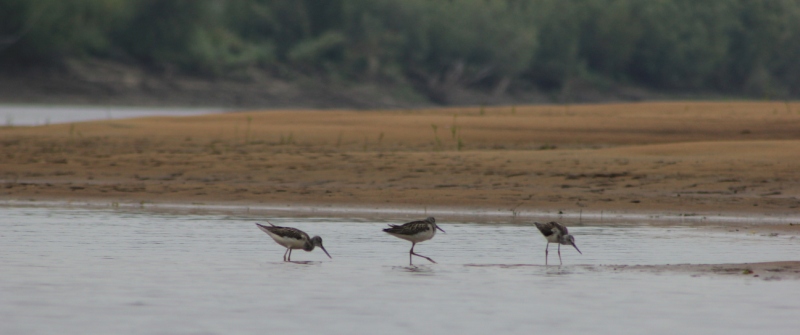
(290, 255)
(425, 257)
(545, 253)
(559, 255)
(411, 253)
(284, 254)
(416, 254)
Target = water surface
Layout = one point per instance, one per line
(77, 271)
(33, 115)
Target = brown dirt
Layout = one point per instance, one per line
(765, 270)
(684, 158)
(789, 270)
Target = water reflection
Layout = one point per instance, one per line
(304, 262)
(100, 272)
(416, 269)
(33, 115)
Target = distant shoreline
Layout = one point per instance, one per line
(95, 82)
(13, 115)
(750, 220)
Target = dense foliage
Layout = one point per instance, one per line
(734, 46)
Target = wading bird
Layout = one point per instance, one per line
(415, 232)
(292, 238)
(556, 233)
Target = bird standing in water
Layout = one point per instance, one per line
(415, 232)
(292, 238)
(556, 233)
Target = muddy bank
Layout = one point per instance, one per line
(770, 271)
(765, 270)
(680, 158)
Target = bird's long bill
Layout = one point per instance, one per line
(576, 248)
(326, 252)
(437, 227)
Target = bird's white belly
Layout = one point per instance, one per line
(287, 242)
(552, 238)
(418, 237)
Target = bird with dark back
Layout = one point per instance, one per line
(292, 238)
(555, 232)
(415, 232)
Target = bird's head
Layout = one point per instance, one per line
(571, 241)
(316, 241)
(432, 221)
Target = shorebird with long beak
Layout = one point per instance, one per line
(556, 233)
(415, 232)
(292, 238)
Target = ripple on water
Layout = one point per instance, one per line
(86, 271)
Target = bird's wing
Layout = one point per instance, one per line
(560, 227)
(547, 229)
(409, 228)
(289, 232)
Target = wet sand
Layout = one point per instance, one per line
(680, 159)
(765, 270)
(762, 270)
(683, 158)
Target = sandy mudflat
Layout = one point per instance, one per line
(676, 158)
(680, 159)
(765, 270)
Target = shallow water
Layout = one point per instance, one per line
(34, 115)
(77, 271)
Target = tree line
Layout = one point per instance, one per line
(749, 47)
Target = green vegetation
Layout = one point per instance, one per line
(732, 46)
(287, 139)
(436, 136)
